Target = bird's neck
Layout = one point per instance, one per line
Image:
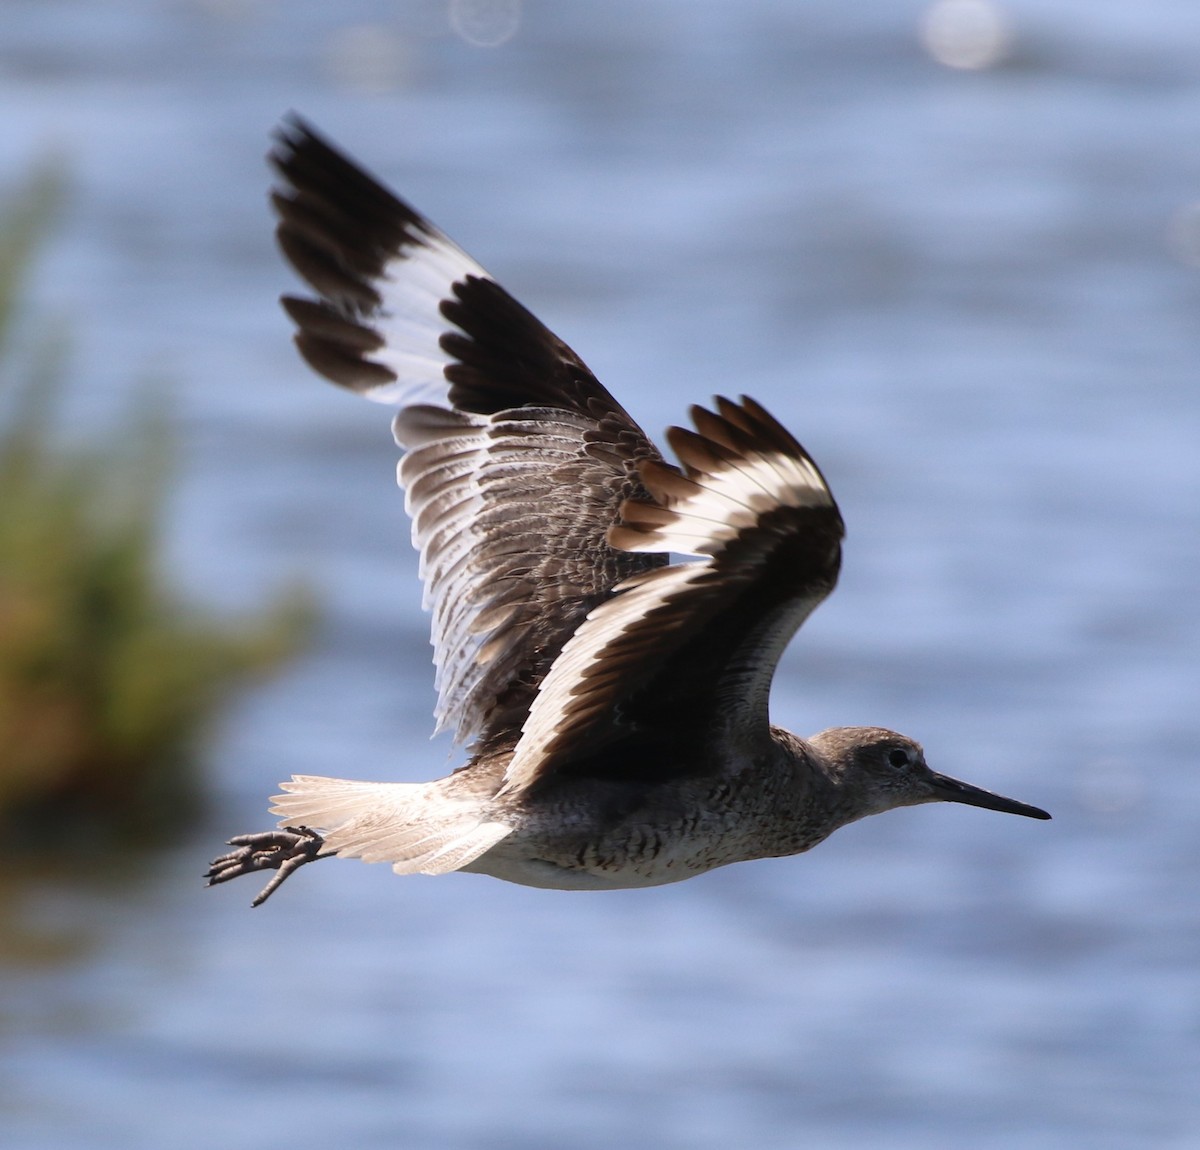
(815, 793)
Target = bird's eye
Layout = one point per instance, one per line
(898, 758)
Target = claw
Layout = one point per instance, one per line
(284, 851)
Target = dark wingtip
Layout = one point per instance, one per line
(292, 128)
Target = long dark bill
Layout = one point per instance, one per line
(952, 791)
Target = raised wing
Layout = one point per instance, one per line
(689, 651)
(518, 459)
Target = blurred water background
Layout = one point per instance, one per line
(973, 294)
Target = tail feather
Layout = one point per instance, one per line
(411, 825)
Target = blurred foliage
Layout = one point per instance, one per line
(108, 681)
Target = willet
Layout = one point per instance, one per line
(615, 704)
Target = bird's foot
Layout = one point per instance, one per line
(284, 851)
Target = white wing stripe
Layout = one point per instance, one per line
(571, 676)
(701, 523)
(409, 319)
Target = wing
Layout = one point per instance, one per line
(517, 461)
(682, 657)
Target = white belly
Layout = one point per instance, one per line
(503, 862)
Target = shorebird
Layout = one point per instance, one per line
(615, 703)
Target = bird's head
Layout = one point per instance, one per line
(878, 769)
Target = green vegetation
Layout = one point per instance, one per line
(108, 682)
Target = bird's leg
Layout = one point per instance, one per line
(284, 851)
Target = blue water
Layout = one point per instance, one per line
(973, 295)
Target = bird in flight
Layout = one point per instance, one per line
(615, 703)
